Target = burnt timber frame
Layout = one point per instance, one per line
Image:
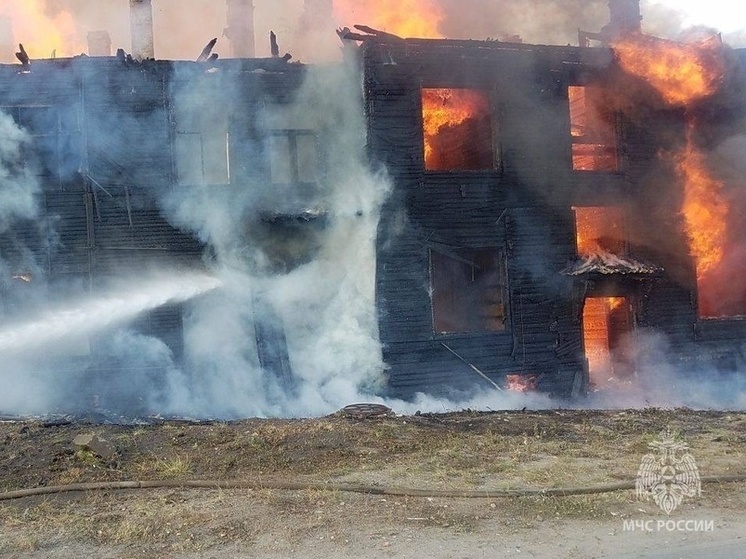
(523, 205)
(104, 173)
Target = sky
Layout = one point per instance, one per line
(183, 27)
(725, 15)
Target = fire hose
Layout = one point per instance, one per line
(286, 485)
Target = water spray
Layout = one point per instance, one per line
(103, 311)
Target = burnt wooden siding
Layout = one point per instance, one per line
(523, 205)
(106, 148)
(109, 164)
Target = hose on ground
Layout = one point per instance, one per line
(286, 485)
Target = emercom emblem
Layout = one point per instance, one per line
(668, 475)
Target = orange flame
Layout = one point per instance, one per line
(41, 34)
(704, 209)
(681, 73)
(448, 107)
(587, 230)
(406, 18)
(599, 229)
(596, 335)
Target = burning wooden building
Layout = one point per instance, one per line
(549, 204)
(106, 141)
(552, 206)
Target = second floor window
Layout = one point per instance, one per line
(293, 157)
(43, 124)
(457, 130)
(202, 147)
(600, 229)
(592, 130)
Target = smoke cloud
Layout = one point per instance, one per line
(699, 382)
(323, 302)
(541, 22)
(665, 20)
(19, 206)
(19, 186)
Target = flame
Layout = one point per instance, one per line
(40, 33)
(599, 229)
(596, 336)
(592, 130)
(681, 73)
(521, 383)
(406, 18)
(704, 209)
(448, 107)
(684, 74)
(587, 234)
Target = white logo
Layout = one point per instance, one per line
(667, 477)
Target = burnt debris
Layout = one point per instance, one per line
(23, 57)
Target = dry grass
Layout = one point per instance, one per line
(457, 451)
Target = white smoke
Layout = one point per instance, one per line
(89, 316)
(666, 378)
(19, 203)
(46, 363)
(325, 304)
(542, 22)
(19, 187)
(670, 19)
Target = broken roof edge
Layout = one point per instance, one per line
(268, 65)
(588, 57)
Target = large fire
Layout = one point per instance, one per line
(684, 74)
(406, 18)
(681, 73)
(704, 209)
(42, 35)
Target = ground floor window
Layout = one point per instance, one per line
(468, 289)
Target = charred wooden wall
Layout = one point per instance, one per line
(110, 156)
(110, 163)
(523, 205)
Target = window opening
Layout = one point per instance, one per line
(468, 290)
(592, 130)
(293, 156)
(600, 229)
(202, 145)
(457, 130)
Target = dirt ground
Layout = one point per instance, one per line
(459, 451)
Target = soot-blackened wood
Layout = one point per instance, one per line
(103, 185)
(482, 209)
(524, 205)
